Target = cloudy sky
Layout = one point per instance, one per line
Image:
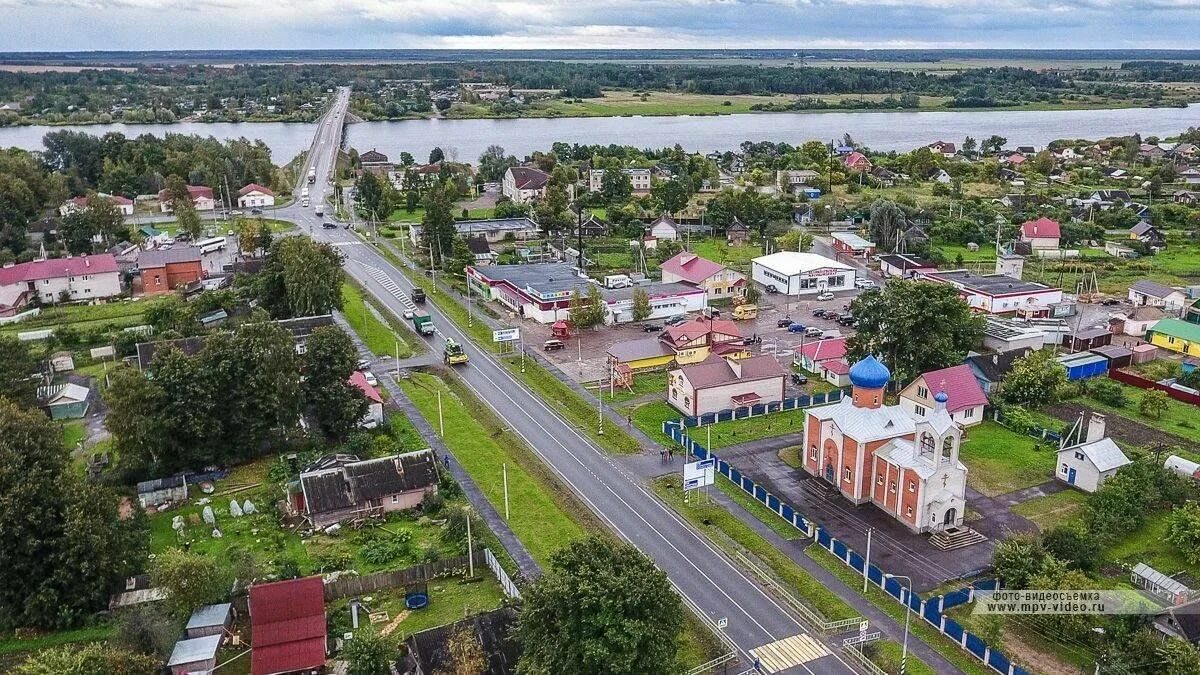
(31, 25)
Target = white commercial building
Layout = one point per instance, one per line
(795, 273)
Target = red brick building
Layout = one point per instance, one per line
(164, 270)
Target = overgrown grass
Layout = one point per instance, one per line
(1052, 510)
(15, 645)
(1001, 460)
(1149, 544)
(650, 417)
(450, 599)
(118, 314)
(379, 337)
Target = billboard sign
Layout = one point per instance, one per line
(506, 335)
(699, 474)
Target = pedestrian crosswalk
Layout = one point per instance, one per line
(392, 288)
(789, 652)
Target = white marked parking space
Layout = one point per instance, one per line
(790, 652)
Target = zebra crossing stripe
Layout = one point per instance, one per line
(789, 652)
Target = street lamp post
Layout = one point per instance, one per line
(907, 618)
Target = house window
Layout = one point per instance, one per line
(812, 452)
(46, 282)
(969, 413)
(395, 499)
(1065, 468)
(687, 400)
(674, 392)
(912, 486)
(920, 410)
(922, 392)
(1078, 455)
(908, 512)
(893, 486)
(846, 474)
(879, 479)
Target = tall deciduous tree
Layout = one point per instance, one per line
(437, 225)
(331, 403)
(587, 311)
(1034, 380)
(182, 206)
(914, 326)
(601, 608)
(18, 370)
(72, 545)
(887, 222)
(494, 162)
(301, 278)
(641, 304)
(615, 186)
(671, 195)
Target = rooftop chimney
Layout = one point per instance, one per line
(1095, 428)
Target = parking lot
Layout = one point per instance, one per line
(585, 357)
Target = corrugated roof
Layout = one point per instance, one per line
(823, 350)
(161, 257)
(57, 268)
(209, 615)
(1151, 288)
(636, 350)
(1178, 328)
(194, 650)
(691, 267)
(287, 625)
(866, 424)
(960, 386)
(716, 371)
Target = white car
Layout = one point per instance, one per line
(864, 283)
(370, 378)
(824, 295)
(408, 314)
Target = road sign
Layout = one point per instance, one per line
(506, 335)
(699, 474)
(722, 622)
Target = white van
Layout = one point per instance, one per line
(618, 281)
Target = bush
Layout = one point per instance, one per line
(385, 548)
(1109, 392)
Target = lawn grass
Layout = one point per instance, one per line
(73, 433)
(450, 599)
(119, 314)
(650, 417)
(985, 254)
(539, 505)
(716, 250)
(643, 384)
(791, 456)
(1001, 460)
(16, 645)
(378, 336)
(768, 517)
(1052, 510)
(943, 645)
(1148, 544)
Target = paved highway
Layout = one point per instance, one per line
(756, 620)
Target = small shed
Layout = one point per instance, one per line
(162, 490)
(1083, 365)
(1118, 356)
(737, 233)
(62, 362)
(195, 655)
(1087, 338)
(210, 620)
(1144, 353)
(70, 401)
(1159, 585)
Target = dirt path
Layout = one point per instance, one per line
(1119, 428)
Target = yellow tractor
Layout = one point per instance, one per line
(453, 353)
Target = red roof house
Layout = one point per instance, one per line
(716, 279)
(1041, 233)
(255, 187)
(813, 354)
(287, 626)
(965, 401)
(857, 161)
(359, 380)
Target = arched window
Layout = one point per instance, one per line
(947, 447)
(927, 444)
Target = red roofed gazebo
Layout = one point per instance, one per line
(287, 626)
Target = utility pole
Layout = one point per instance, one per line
(471, 561)
(579, 233)
(867, 561)
(441, 422)
(504, 469)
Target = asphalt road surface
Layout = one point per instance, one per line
(698, 571)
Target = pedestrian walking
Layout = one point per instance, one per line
(446, 460)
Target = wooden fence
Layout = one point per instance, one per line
(1142, 383)
(349, 586)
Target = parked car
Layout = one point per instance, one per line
(256, 212)
(847, 319)
(1109, 302)
(799, 378)
(677, 319)
(813, 332)
(553, 345)
(370, 378)
(363, 364)
(771, 289)
(832, 315)
(651, 328)
(864, 283)
(784, 322)
(796, 328)
(755, 339)
(824, 295)
(712, 312)
(328, 225)
(819, 313)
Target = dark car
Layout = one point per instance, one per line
(847, 319)
(819, 312)
(755, 339)
(329, 226)
(798, 378)
(650, 328)
(771, 289)
(677, 320)
(832, 315)
(1110, 302)
(784, 322)
(256, 212)
(553, 345)
(796, 328)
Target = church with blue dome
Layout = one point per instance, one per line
(903, 463)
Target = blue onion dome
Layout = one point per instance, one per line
(869, 373)
(941, 397)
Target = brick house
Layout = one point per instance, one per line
(166, 269)
(719, 383)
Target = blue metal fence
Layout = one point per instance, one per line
(931, 611)
(744, 412)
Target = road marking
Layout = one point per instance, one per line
(789, 652)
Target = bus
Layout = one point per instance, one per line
(211, 245)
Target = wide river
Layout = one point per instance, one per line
(465, 140)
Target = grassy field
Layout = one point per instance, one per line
(1052, 510)
(643, 384)
(1149, 545)
(1001, 460)
(715, 249)
(450, 599)
(378, 336)
(538, 503)
(578, 411)
(15, 645)
(649, 419)
(118, 314)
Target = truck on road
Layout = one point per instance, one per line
(312, 175)
(422, 322)
(453, 354)
(418, 296)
